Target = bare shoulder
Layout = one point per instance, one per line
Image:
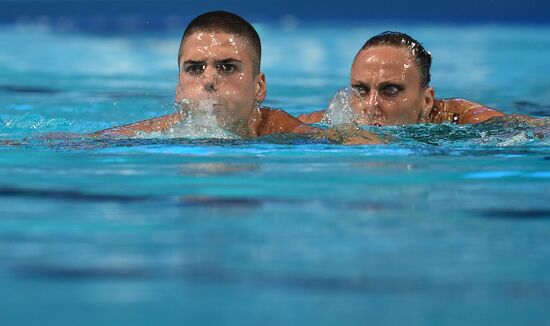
(313, 117)
(466, 111)
(279, 121)
(158, 124)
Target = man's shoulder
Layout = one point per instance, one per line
(273, 111)
(157, 124)
(313, 117)
(280, 121)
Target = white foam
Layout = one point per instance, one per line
(200, 121)
(339, 110)
(515, 140)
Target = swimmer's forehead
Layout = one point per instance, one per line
(384, 61)
(204, 45)
(384, 55)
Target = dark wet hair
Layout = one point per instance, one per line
(223, 21)
(422, 57)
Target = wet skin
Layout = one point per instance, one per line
(387, 90)
(219, 68)
(386, 87)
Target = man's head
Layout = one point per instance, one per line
(390, 79)
(219, 63)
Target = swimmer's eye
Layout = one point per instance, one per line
(360, 89)
(391, 90)
(195, 68)
(226, 68)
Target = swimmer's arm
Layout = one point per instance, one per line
(350, 134)
(158, 124)
(363, 137)
(472, 112)
(342, 134)
(302, 128)
(278, 121)
(313, 117)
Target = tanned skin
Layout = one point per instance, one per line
(219, 67)
(386, 90)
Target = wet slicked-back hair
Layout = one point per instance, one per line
(223, 21)
(422, 57)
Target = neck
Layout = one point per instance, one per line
(438, 106)
(247, 128)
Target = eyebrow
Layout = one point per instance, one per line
(229, 60)
(193, 62)
(387, 83)
(353, 81)
(382, 84)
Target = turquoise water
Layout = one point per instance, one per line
(447, 225)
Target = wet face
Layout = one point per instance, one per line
(218, 68)
(386, 87)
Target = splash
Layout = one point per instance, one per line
(200, 120)
(339, 109)
(32, 122)
(508, 131)
(518, 139)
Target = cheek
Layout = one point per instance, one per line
(238, 85)
(229, 88)
(402, 110)
(187, 82)
(356, 103)
(396, 107)
(236, 97)
(413, 102)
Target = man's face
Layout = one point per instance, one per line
(218, 68)
(386, 87)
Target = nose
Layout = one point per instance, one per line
(372, 102)
(210, 77)
(372, 111)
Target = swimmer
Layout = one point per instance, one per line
(219, 64)
(219, 67)
(390, 85)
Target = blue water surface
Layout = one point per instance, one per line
(445, 225)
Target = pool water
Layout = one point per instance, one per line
(445, 225)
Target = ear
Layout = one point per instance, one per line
(428, 104)
(261, 87)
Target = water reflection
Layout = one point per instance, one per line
(217, 168)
